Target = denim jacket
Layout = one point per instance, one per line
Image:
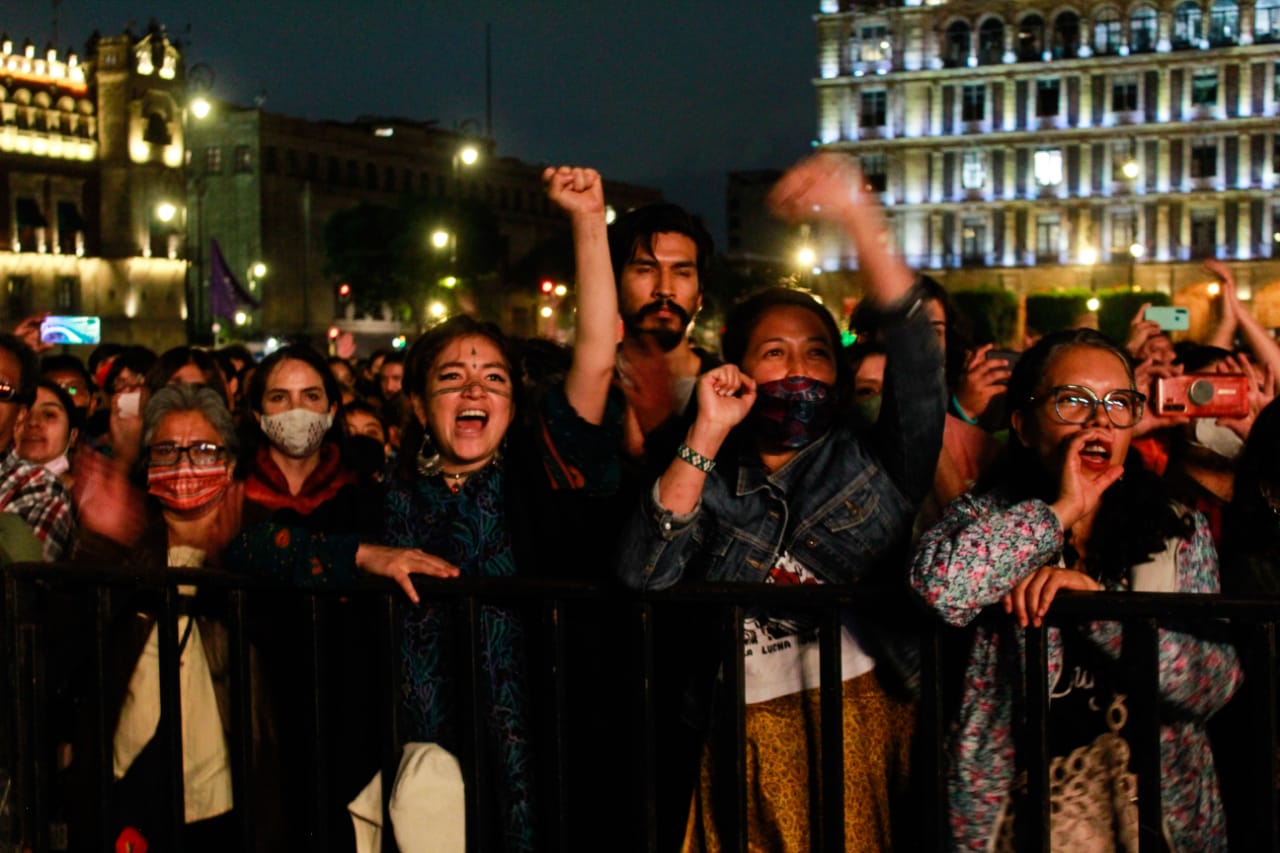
(841, 506)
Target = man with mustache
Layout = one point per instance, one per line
(661, 254)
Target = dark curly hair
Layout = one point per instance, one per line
(1136, 514)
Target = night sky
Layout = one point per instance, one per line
(668, 94)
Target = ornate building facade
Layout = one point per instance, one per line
(91, 152)
(1092, 144)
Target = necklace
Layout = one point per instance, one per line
(453, 481)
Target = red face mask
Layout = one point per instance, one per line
(187, 489)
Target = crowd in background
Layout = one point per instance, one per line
(916, 463)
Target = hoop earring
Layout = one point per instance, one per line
(428, 462)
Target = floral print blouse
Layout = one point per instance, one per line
(977, 552)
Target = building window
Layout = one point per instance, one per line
(313, 166)
(873, 43)
(1124, 93)
(973, 170)
(18, 295)
(66, 294)
(1186, 25)
(1047, 98)
(874, 106)
(874, 172)
(973, 239)
(244, 160)
(371, 176)
(1030, 45)
(1266, 21)
(991, 42)
(973, 102)
(1204, 88)
(1204, 232)
(1066, 36)
(31, 225)
(335, 171)
(70, 229)
(1047, 236)
(1275, 155)
(1224, 23)
(1107, 33)
(1204, 159)
(1048, 167)
(389, 179)
(270, 160)
(353, 173)
(956, 54)
(1142, 30)
(213, 160)
(1121, 232)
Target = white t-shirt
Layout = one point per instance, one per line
(781, 652)
(206, 760)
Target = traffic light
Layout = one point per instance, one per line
(344, 292)
(547, 286)
(334, 331)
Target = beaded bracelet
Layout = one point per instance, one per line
(696, 459)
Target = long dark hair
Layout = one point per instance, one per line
(417, 369)
(1251, 526)
(1135, 516)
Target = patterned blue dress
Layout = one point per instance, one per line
(474, 529)
(468, 529)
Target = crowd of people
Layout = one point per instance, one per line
(914, 464)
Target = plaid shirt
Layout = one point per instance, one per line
(40, 499)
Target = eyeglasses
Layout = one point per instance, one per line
(200, 453)
(1076, 404)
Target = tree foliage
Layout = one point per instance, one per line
(386, 255)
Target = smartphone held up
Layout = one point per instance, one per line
(56, 329)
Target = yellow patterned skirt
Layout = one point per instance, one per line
(783, 752)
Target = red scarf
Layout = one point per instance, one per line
(268, 487)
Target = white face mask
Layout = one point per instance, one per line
(297, 432)
(1221, 440)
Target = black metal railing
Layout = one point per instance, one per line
(603, 678)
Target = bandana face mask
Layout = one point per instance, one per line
(794, 412)
(187, 489)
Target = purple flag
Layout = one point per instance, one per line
(225, 292)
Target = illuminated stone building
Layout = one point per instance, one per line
(90, 150)
(1030, 145)
(264, 185)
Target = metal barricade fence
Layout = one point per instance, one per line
(598, 659)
